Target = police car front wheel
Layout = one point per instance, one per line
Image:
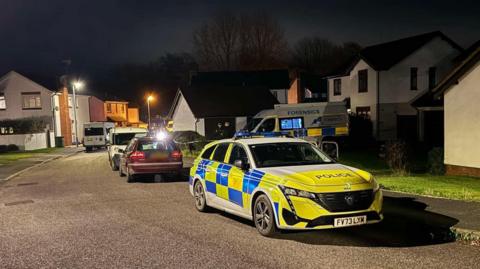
(199, 194)
(263, 216)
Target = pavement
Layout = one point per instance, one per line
(75, 212)
(12, 169)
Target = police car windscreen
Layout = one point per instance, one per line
(287, 154)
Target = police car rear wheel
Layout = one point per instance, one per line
(199, 194)
(263, 216)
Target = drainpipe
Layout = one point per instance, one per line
(378, 104)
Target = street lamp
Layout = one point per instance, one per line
(77, 85)
(149, 98)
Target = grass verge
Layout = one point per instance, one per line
(6, 158)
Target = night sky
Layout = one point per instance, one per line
(35, 36)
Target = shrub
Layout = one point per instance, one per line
(26, 125)
(3, 148)
(12, 147)
(396, 156)
(435, 161)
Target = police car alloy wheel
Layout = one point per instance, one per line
(199, 194)
(263, 216)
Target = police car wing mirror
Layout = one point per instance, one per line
(331, 149)
(241, 164)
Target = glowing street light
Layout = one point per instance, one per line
(149, 99)
(77, 85)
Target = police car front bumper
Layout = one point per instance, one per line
(305, 213)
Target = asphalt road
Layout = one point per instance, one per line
(76, 213)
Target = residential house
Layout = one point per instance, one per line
(276, 81)
(217, 112)
(116, 111)
(457, 96)
(307, 88)
(21, 97)
(385, 78)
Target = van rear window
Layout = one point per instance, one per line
(93, 131)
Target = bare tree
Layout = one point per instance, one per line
(229, 42)
(321, 56)
(216, 42)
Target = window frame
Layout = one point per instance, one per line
(231, 151)
(337, 87)
(432, 77)
(363, 83)
(31, 95)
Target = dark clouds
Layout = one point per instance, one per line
(36, 35)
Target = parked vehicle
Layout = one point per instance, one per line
(119, 138)
(313, 121)
(283, 183)
(150, 155)
(96, 134)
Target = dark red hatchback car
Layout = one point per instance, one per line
(149, 155)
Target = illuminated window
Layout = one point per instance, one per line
(31, 100)
(109, 108)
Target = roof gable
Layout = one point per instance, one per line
(14, 75)
(384, 56)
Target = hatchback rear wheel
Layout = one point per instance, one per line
(264, 217)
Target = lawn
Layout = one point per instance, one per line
(14, 156)
(453, 187)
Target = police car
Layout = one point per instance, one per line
(283, 183)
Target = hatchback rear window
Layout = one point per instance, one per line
(93, 131)
(155, 145)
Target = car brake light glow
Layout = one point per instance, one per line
(137, 156)
(176, 154)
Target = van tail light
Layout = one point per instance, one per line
(137, 156)
(176, 154)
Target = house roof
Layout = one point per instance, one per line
(216, 101)
(272, 79)
(4, 80)
(434, 97)
(385, 55)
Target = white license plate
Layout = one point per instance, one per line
(349, 221)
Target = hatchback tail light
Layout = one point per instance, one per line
(137, 156)
(176, 154)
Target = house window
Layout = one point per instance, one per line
(123, 108)
(432, 77)
(109, 108)
(413, 78)
(363, 80)
(363, 111)
(31, 100)
(3, 104)
(337, 86)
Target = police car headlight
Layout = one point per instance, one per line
(294, 192)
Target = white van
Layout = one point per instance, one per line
(119, 138)
(312, 121)
(95, 134)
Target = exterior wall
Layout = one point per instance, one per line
(133, 115)
(281, 94)
(346, 89)
(16, 84)
(462, 117)
(83, 114)
(184, 120)
(26, 141)
(294, 94)
(240, 122)
(97, 109)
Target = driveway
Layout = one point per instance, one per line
(75, 212)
